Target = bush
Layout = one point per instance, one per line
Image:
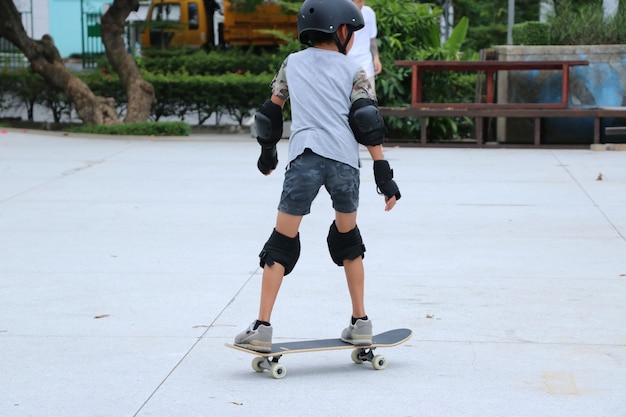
(481, 37)
(586, 25)
(136, 129)
(183, 95)
(531, 33)
(178, 95)
(234, 60)
(23, 88)
(410, 31)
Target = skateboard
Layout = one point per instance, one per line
(269, 361)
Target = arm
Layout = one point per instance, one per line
(369, 130)
(383, 175)
(269, 122)
(378, 67)
(269, 129)
(278, 101)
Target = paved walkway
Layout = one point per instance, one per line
(125, 265)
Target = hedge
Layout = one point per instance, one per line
(531, 33)
(213, 63)
(139, 129)
(188, 98)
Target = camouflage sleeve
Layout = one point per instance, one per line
(361, 87)
(279, 83)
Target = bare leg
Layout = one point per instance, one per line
(355, 273)
(356, 285)
(272, 279)
(287, 225)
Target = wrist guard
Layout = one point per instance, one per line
(268, 160)
(383, 175)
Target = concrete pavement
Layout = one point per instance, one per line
(126, 264)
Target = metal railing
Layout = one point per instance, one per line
(92, 39)
(11, 57)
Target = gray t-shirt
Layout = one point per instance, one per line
(322, 85)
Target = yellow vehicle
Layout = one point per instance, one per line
(205, 23)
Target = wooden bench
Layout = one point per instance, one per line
(491, 109)
(490, 68)
(479, 113)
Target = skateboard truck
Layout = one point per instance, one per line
(360, 355)
(278, 370)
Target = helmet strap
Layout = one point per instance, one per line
(343, 46)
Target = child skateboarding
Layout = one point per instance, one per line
(333, 110)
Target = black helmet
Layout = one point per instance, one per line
(326, 16)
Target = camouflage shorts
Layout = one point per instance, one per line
(306, 175)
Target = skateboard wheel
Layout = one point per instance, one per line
(355, 356)
(379, 362)
(278, 371)
(256, 363)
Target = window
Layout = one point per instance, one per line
(192, 10)
(167, 11)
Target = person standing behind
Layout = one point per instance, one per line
(365, 48)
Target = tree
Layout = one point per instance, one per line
(488, 19)
(140, 93)
(45, 60)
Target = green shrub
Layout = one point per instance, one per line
(489, 19)
(234, 60)
(586, 25)
(26, 89)
(480, 37)
(410, 31)
(531, 33)
(136, 129)
(183, 96)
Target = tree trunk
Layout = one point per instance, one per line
(45, 60)
(139, 92)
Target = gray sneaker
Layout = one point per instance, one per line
(359, 334)
(259, 339)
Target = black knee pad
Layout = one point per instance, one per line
(282, 249)
(344, 246)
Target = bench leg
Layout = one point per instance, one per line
(479, 131)
(423, 126)
(537, 131)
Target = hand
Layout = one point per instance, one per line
(390, 203)
(378, 67)
(383, 175)
(268, 160)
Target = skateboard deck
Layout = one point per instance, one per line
(269, 361)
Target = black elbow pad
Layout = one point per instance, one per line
(268, 122)
(366, 122)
